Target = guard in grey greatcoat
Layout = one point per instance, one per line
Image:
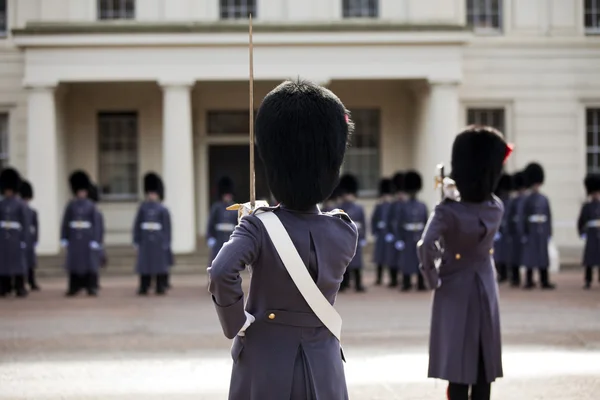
(281, 349)
(465, 343)
(348, 191)
(411, 222)
(512, 218)
(80, 235)
(170, 257)
(378, 226)
(588, 226)
(26, 191)
(536, 228)
(221, 221)
(391, 237)
(152, 238)
(502, 240)
(14, 235)
(94, 195)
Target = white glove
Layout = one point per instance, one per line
(94, 245)
(399, 245)
(389, 238)
(64, 243)
(249, 321)
(497, 236)
(450, 190)
(584, 236)
(381, 224)
(439, 283)
(35, 245)
(363, 242)
(23, 245)
(211, 242)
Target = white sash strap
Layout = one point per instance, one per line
(414, 227)
(10, 225)
(80, 224)
(299, 273)
(538, 218)
(595, 223)
(151, 226)
(224, 227)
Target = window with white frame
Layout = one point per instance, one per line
(3, 140)
(116, 9)
(360, 8)
(118, 155)
(362, 157)
(3, 18)
(237, 9)
(494, 117)
(592, 122)
(591, 17)
(484, 15)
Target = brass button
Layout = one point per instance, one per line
(491, 251)
(457, 256)
(271, 316)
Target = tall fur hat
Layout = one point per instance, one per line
(592, 183)
(9, 180)
(398, 181)
(26, 190)
(505, 184)
(348, 184)
(302, 132)
(79, 180)
(225, 186)
(534, 174)
(93, 194)
(412, 182)
(385, 186)
(478, 155)
(518, 181)
(152, 183)
(161, 189)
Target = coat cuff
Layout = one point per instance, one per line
(231, 317)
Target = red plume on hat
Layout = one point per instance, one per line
(509, 149)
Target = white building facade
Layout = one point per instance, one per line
(122, 87)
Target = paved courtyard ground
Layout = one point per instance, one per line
(120, 346)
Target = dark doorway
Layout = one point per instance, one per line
(234, 162)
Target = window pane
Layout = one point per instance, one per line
(360, 8)
(3, 17)
(494, 117)
(237, 9)
(116, 9)
(3, 140)
(118, 158)
(484, 14)
(592, 117)
(228, 122)
(362, 157)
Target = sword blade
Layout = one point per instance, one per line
(252, 176)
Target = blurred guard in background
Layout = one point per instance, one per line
(379, 228)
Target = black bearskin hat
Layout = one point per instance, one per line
(225, 186)
(161, 189)
(152, 183)
(592, 183)
(93, 194)
(10, 180)
(385, 186)
(518, 181)
(534, 174)
(302, 132)
(26, 190)
(412, 182)
(398, 181)
(478, 155)
(79, 180)
(505, 184)
(348, 184)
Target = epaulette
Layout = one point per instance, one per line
(339, 213)
(265, 209)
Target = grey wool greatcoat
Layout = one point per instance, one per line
(412, 220)
(80, 227)
(287, 353)
(378, 230)
(220, 225)
(513, 217)
(465, 316)
(357, 213)
(536, 226)
(30, 257)
(503, 242)
(14, 233)
(588, 224)
(152, 236)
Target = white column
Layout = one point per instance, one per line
(441, 126)
(42, 165)
(178, 167)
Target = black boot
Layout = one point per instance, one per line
(544, 278)
(529, 284)
(421, 283)
(91, 283)
(345, 281)
(515, 280)
(588, 277)
(406, 283)
(31, 280)
(74, 285)
(20, 290)
(160, 284)
(167, 281)
(393, 278)
(3, 286)
(502, 272)
(145, 281)
(379, 274)
(358, 278)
